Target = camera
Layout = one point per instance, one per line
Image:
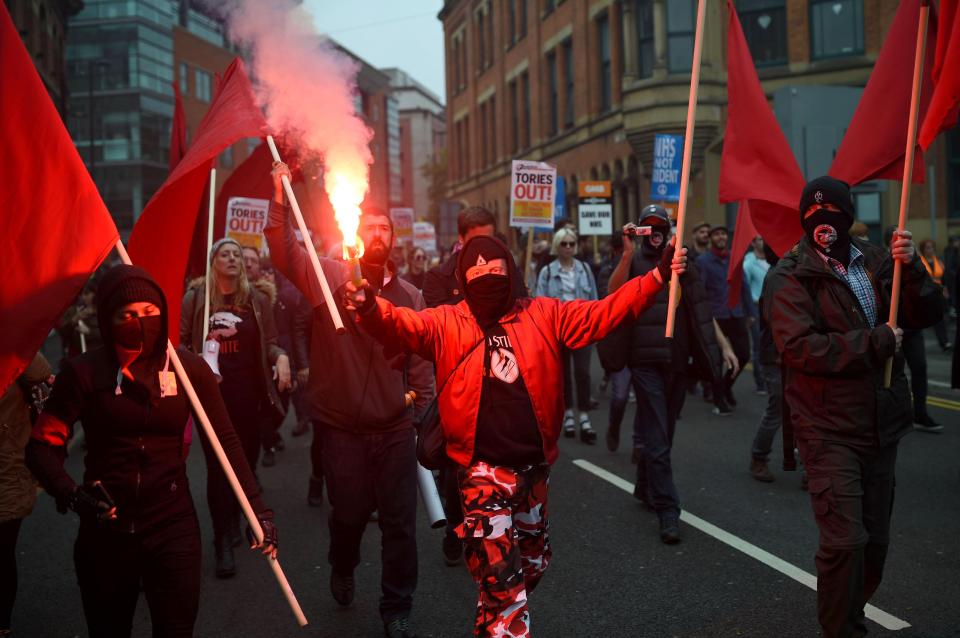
(638, 231)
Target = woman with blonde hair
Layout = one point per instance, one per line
(568, 278)
(241, 320)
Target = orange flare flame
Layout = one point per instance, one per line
(346, 190)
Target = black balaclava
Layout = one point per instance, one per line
(490, 296)
(139, 345)
(658, 219)
(828, 231)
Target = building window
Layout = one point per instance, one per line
(603, 55)
(481, 42)
(549, 6)
(953, 173)
(514, 117)
(765, 28)
(184, 74)
(201, 85)
(490, 47)
(681, 24)
(644, 16)
(525, 85)
(484, 160)
(553, 114)
(491, 131)
(836, 28)
(568, 110)
(522, 14)
(511, 22)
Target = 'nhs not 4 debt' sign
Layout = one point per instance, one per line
(667, 160)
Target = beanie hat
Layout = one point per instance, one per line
(220, 243)
(479, 250)
(827, 190)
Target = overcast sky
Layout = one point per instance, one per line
(388, 33)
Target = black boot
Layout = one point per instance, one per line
(226, 565)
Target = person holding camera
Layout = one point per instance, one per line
(138, 526)
(500, 407)
(659, 366)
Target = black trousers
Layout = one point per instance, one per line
(366, 472)
(735, 329)
(580, 359)
(915, 353)
(9, 530)
(851, 490)
(112, 568)
(224, 508)
(450, 491)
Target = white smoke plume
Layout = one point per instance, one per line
(307, 89)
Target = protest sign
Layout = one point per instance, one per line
(667, 160)
(402, 225)
(532, 189)
(425, 236)
(246, 218)
(595, 208)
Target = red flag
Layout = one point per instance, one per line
(757, 163)
(178, 133)
(873, 146)
(55, 227)
(942, 113)
(160, 241)
(743, 234)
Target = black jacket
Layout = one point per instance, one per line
(694, 350)
(134, 439)
(353, 385)
(832, 360)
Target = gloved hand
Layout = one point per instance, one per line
(666, 261)
(361, 298)
(89, 507)
(270, 536)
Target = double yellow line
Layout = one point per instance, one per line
(946, 404)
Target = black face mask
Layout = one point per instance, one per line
(654, 243)
(489, 298)
(138, 334)
(829, 232)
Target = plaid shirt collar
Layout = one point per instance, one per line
(855, 276)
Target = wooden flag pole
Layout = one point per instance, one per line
(908, 158)
(206, 278)
(687, 157)
(311, 251)
(528, 276)
(225, 464)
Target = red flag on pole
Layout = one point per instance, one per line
(944, 108)
(55, 228)
(743, 234)
(178, 133)
(757, 163)
(161, 239)
(873, 146)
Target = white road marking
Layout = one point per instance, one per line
(938, 384)
(882, 618)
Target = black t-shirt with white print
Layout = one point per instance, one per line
(507, 432)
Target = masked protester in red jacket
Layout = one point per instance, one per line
(502, 410)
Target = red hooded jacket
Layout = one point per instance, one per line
(539, 329)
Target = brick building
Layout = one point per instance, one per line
(586, 85)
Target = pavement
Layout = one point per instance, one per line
(745, 566)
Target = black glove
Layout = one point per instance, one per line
(270, 534)
(666, 262)
(88, 506)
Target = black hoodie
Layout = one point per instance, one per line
(135, 438)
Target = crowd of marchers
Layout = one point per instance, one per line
(504, 352)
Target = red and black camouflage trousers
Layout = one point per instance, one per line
(506, 542)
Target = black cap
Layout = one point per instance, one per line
(827, 190)
(655, 211)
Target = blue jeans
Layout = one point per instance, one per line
(654, 424)
(367, 472)
(758, 378)
(772, 416)
(619, 395)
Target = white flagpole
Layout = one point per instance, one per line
(908, 171)
(687, 157)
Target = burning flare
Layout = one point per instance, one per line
(346, 191)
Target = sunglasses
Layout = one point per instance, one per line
(419, 257)
(568, 244)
